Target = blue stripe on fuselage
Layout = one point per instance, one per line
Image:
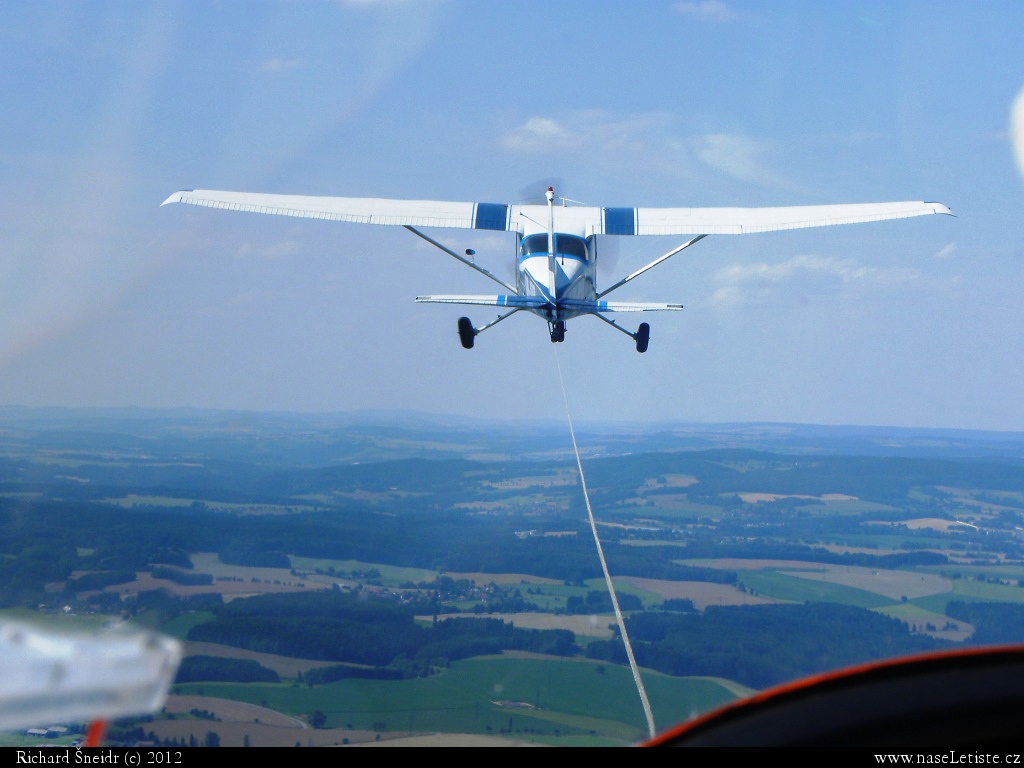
(620, 221)
(491, 216)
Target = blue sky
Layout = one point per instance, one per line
(107, 299)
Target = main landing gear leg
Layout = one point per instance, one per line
(642, 337)
(468, 334)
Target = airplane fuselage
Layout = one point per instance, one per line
(567, 271)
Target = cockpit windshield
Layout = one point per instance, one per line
(565, 245)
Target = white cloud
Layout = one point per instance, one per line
(403, 30)
(280, 65)
(738, 156)
(803, 276)
(371, 3)
(707, 10)
(652, 140)
(269, 251)
(587, 131)
(1017, 129)
(947, 251)
(538, 133)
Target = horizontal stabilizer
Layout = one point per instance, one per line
(519, 302)
(618, 306)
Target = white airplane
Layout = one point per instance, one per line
(556, 269)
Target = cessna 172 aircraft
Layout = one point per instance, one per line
(556, 269)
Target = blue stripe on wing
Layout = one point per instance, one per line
(491, 216)
(620, 221)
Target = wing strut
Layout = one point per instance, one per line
(463, 259)
(642, 337)
(615, 325)
(467, 333)
(552, 265)
(494, 322)
(653, 264)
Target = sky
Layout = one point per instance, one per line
(108, 299)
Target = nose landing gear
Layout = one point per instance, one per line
(557, 330)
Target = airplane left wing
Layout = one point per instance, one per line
(360, 210)
(739, 221)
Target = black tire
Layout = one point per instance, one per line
(643, 337)
(467, 333)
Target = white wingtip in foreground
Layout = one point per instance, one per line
(556, 262)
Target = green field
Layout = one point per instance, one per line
(551, 698)
(669, 512)
(781, 586)
(390, 575)
(1013, 573)
(886, 541)
(552, 596)
(22, 741)
(179, 626)
(137, 500)
(56, 622)
(938, 603)
(842, 507)
(915, 615)
(649, 599)
(983, 590)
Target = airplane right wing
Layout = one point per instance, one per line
(359, 210)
